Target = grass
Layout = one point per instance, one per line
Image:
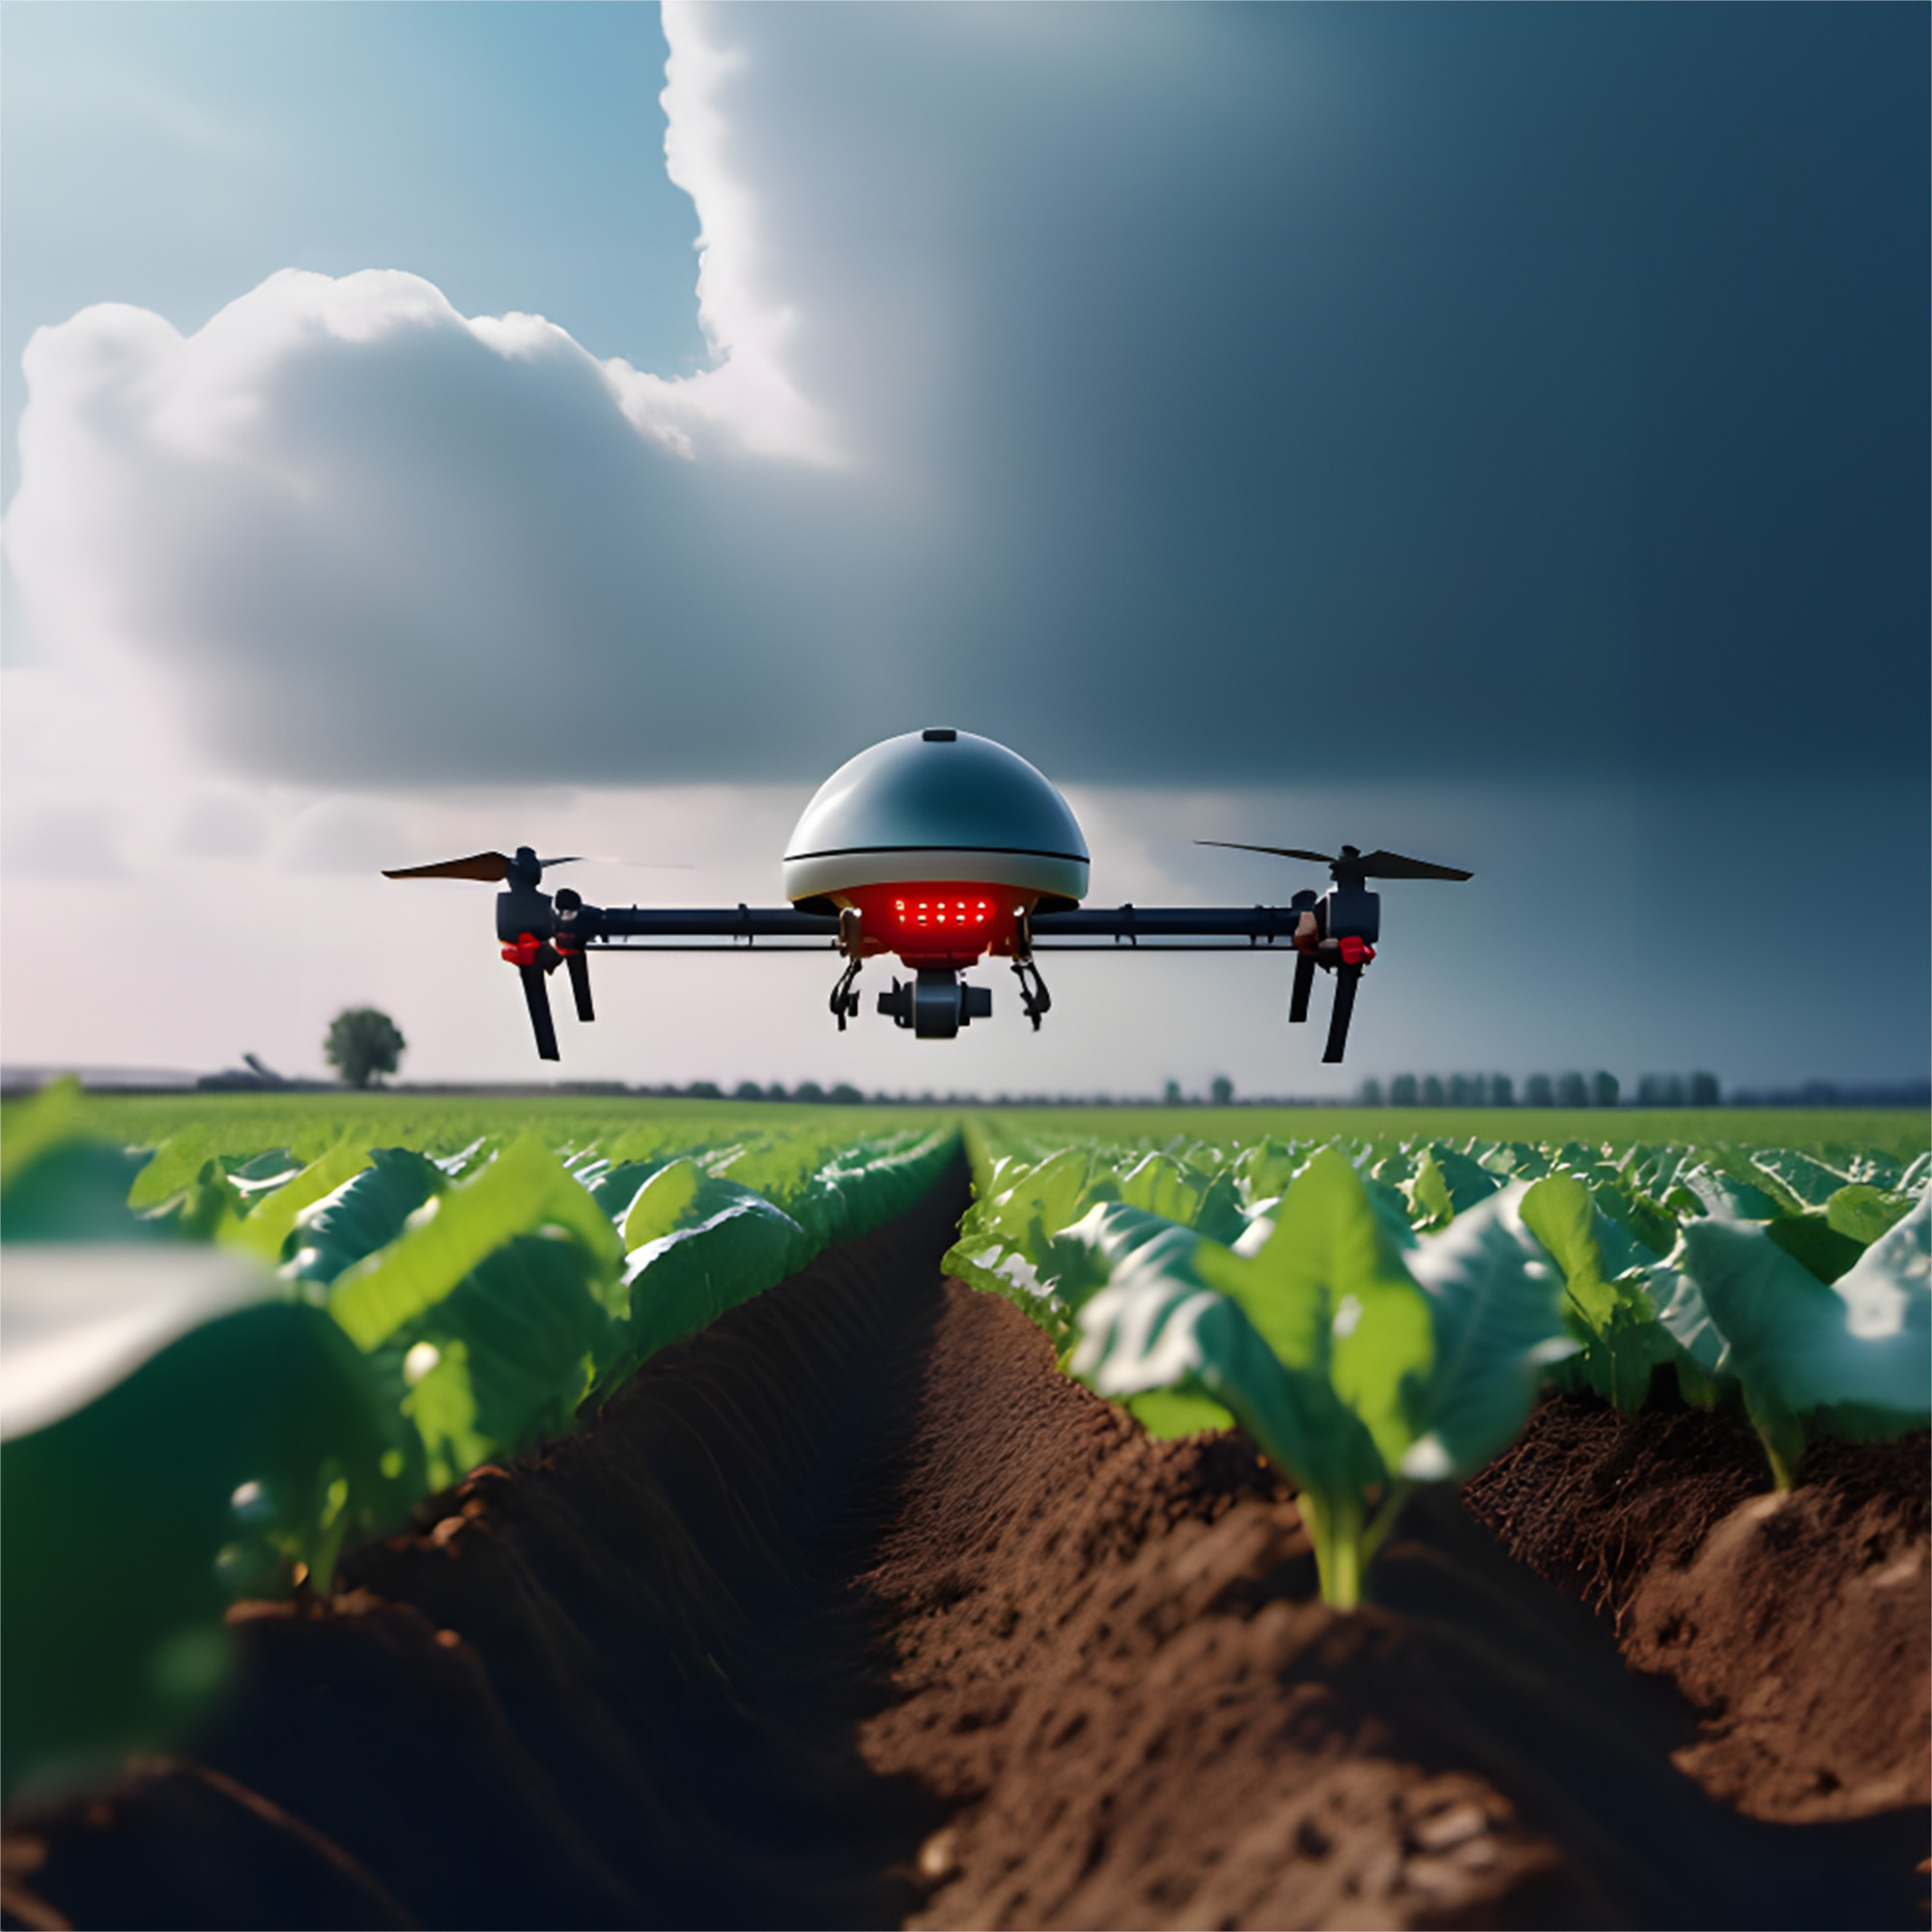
(1897, 1130)
(308, 1123)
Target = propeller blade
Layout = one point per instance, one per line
(1371, 865)
(1279, 851)
(491, 868)
(1393, 866)
(545, 863)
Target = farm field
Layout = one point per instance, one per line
(250, 1120)
(619, 1513)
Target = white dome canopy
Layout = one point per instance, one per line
(957, 806)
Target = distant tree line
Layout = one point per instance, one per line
(1539, 1090)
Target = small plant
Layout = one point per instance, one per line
(362, 1046)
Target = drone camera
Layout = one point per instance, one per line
(937, 1004)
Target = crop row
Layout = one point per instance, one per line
(219, 1368)
(1379, 1315)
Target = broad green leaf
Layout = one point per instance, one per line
(175, 1166)
(1496, 1303)
(1703, 1189)
(1155, 1325)
(660, 1202)
(1862, 1213)
(266, 1230)
(1169, 1413)
(255, 1440)
(683, 1280)
(80, 1317)
(1328, 1293)
(517, 1344)
(1622, 1341)
(1161, 1185)
(76, 1190)
(1862, 1347)
(53, 1115)
(365, 1214)
(524, 1189)
(1811, 1240)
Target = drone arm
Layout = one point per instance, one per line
(1128, 925)
(645, 926)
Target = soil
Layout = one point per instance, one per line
(852, 1611)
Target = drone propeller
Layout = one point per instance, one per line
(488, 868)
(1375, 864)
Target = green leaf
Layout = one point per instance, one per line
(1811, 1240)
(1809, 1181)
(366, 1212)
(1329, 1294)
(1863, 1346)
(78, 1318)
(518, 1342)
(266, 1230)
(1862, 1213)
(524, 1189)
(1497, 1305)
(1170, 1413)
(683, 1280)
(663, 1201)
(76, 1190)
(1622, 1340)
(1703, 1189)
(255, 1440)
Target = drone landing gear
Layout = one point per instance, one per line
(1033, 996)
(534, 958)
(1346, 978)
(844, 1001)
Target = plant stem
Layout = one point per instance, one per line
(1335, 1526)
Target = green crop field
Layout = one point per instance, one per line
(244, 1123)
(253, 1337)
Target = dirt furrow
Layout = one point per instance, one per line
(853, 1611)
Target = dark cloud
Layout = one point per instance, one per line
(1233, 396)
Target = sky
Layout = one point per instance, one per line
(1495, 433)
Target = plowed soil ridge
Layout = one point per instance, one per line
(853, 1611)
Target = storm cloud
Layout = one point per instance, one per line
(1189, 394)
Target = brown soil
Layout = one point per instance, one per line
(1797, 1625)
(851, 1612)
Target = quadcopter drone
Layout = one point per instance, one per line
(941, 849)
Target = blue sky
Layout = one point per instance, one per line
(1497, 433)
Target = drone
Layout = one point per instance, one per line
(940, 849)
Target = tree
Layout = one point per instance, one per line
(1570, 1091)
(1604, 1090)
(1371, 1094)
(1170, 1095)
(1502, 1091)
(1431, 1091)
(363, 1045)
(1223, 1091)
(1704, 1090)
(1402, 1090)
(1536, 1091)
